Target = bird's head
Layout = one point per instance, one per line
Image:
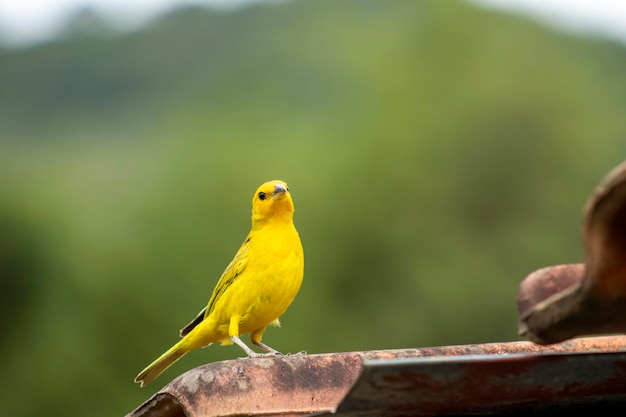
(272, 200)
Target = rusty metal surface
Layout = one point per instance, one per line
(485, 384)
(564, 301)
(161, 405)
(546, 282)
(288, 386)
(479, 378)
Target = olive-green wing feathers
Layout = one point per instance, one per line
(234, 269)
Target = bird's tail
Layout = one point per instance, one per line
(161, 363)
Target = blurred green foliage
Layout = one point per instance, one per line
(437, 154)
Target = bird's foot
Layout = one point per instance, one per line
(302, 352)
(266, 355)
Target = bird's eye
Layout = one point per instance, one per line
(261, 195)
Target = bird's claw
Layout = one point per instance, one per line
(302, 352)
(266, 355)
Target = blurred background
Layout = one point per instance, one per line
(437, 153)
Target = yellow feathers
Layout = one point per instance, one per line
(256, 288)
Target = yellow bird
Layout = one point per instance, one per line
(256, 288)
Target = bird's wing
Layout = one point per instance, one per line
(234, 269)
(193, 323)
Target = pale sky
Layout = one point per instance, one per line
(30, 21)
(602, 17)
(24, 22)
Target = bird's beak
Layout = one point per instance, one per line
(279, 189)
